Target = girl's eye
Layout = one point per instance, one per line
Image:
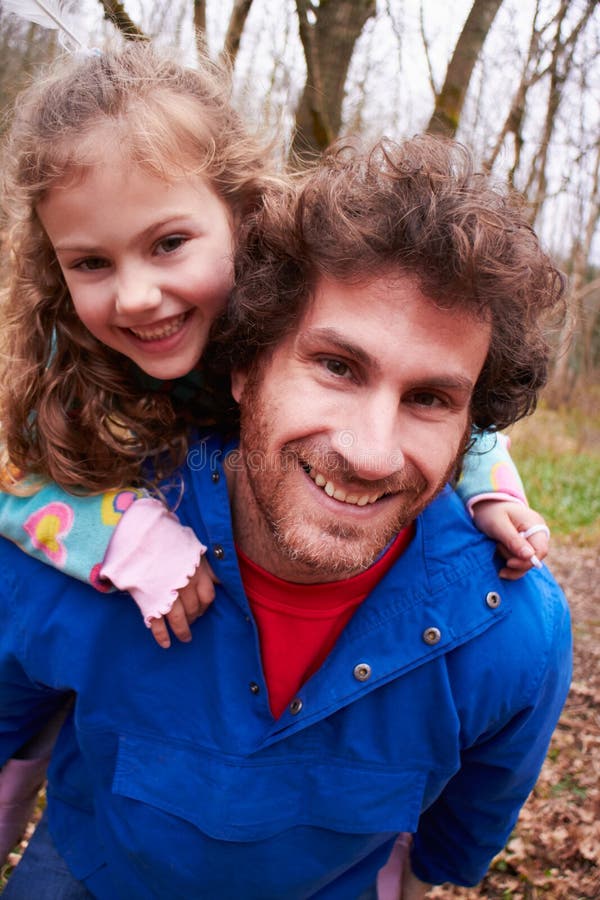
(337, 367)
(170, 243)
(91, 264)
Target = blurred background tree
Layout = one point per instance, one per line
(517, 80)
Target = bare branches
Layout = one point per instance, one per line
(562, 51)
(427, 50)
(115, 12)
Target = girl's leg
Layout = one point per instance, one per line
(389, 878)
(21, 779)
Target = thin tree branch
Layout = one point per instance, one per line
(115, 12)
(427, 52)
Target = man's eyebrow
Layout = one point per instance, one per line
(337, 341)
(449, 382)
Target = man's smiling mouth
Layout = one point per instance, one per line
(340, 493)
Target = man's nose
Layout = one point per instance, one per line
(371, 442)
(136, 291)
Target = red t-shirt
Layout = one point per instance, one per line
(298, 624)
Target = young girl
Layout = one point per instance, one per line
(125, 178)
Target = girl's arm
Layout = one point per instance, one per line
(492, 490)
(68, 532)
(153, 556)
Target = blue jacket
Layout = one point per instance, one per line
(432, 715)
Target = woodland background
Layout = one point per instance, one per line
(519, 82)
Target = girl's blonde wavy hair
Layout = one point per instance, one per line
(71, 409)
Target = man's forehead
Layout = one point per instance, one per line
(363, 296)
(389, 323)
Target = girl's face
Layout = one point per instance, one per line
(148, 263)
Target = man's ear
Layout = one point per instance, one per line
(238, 383)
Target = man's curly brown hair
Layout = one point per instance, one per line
(417, 209)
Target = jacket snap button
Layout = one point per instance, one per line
(493, 599)
(362, 672)
(218, 551)
(432, 636)
(254, 688)
(295, 706)
(215, 477)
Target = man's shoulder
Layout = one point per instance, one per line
(450, 574)
(33, 592)
(16, 565)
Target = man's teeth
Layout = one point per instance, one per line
(339, 493)
(159, 331)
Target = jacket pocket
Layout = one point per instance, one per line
(253, 798)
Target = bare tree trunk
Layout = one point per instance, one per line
(450, 100)
(115, 12)
(237, 20)
(328, 31)
(200, 19)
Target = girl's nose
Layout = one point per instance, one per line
(136, 295)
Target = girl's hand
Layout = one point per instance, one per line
(521, 533)
(192, 602)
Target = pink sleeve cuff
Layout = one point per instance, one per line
(517, 497)
(151, 555)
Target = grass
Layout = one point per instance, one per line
(558, 455)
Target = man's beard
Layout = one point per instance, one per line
(315, 542)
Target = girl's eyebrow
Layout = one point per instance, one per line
(145, 233)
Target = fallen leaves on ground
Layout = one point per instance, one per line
(554, 852)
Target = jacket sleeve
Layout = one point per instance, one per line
(69, 532)
(26, 704)
(470, 822)
(489, 472)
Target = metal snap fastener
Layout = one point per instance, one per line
(362, 672)
(493, 599)
(218, 551)
(432, 636)
(295, 706)
(254, 688)
(215, 477)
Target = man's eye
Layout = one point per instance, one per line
(170, 243)
(337, 367)
(90, 264)
(427, 399)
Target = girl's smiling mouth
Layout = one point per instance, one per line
(160, 330)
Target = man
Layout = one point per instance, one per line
(363, 672)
